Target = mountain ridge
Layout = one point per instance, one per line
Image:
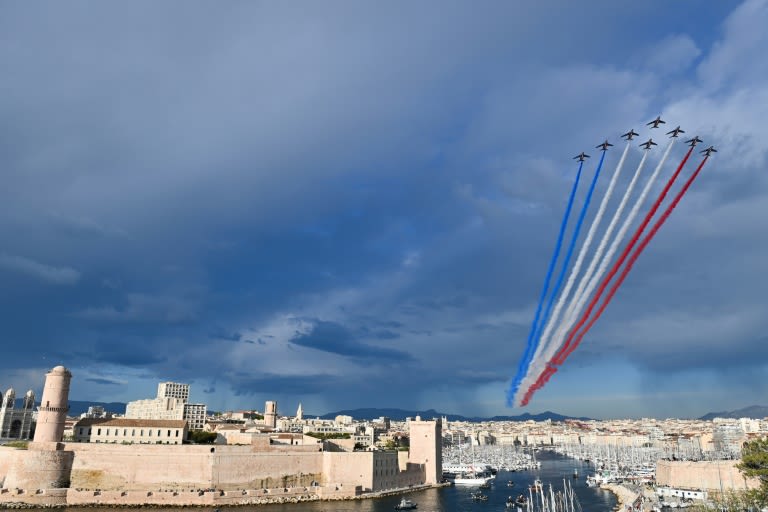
(371, 413)
(756, 412)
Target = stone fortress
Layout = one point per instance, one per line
(260, 468)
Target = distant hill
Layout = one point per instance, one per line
(76, 408)
(753, 411)
(401, 414)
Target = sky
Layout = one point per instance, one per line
(353, 204)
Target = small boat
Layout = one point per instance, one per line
(510, 483)
(537, 485)
(521, 500)
(405, 505)
(478, 496)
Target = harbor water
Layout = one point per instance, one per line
(554, 469)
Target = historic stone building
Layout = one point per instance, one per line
(129, 431)
(17, 423)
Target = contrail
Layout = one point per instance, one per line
(568, 254)
(630, 245)
(580, 296)
(529, 347)
(646, 240)
(584, 295)
(545, 338)
(551, 367)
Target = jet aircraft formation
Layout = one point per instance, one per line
(565, 314)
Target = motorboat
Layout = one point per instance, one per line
(405, 505)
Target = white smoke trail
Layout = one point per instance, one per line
(568, 318)
(576, 266)
(552, 349)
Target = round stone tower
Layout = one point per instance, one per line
(53, 406)
(46, 464)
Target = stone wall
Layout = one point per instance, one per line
(167, 467)
(140, 467)
(235, 468)
(7, 456)
(710, 476)
(39, 469)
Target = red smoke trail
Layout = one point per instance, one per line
(558, 360)
(565, 351)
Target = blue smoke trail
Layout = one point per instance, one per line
(569, 253)
(530, 346)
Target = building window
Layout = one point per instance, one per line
(133, 432)
(98, 432)
(125, 431)
(158, 432)
(142, 432)
(169, 433)
(150, 432)
(177, 433)
(81, 431)
(107, 431)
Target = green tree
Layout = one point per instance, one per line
(202, 437)
(329, 435)
(754, 464)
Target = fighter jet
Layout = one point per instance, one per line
(694, 141)
(656, 122)
(647, 145)
(604, 146)
(629, 135)
(581, 156)
(709, 151)
(674, 133)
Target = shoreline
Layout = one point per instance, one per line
(623, 495)
(216, 504)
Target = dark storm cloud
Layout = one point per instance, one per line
(179, 177)
(223, 334)
(105, 382)
(136, 356)
(337, 339)
(245, 385)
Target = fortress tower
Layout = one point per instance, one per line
(53, 406)
(427, 447)
(270, 414)
(46, 464)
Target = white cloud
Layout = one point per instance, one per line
(674, 54)
(47, 273)
(739, 57)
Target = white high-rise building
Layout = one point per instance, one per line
(173, 390)
(171, 404)
(195, 415)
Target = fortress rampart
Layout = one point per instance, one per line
(261, 470)
(102, 474)
(711, 476)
